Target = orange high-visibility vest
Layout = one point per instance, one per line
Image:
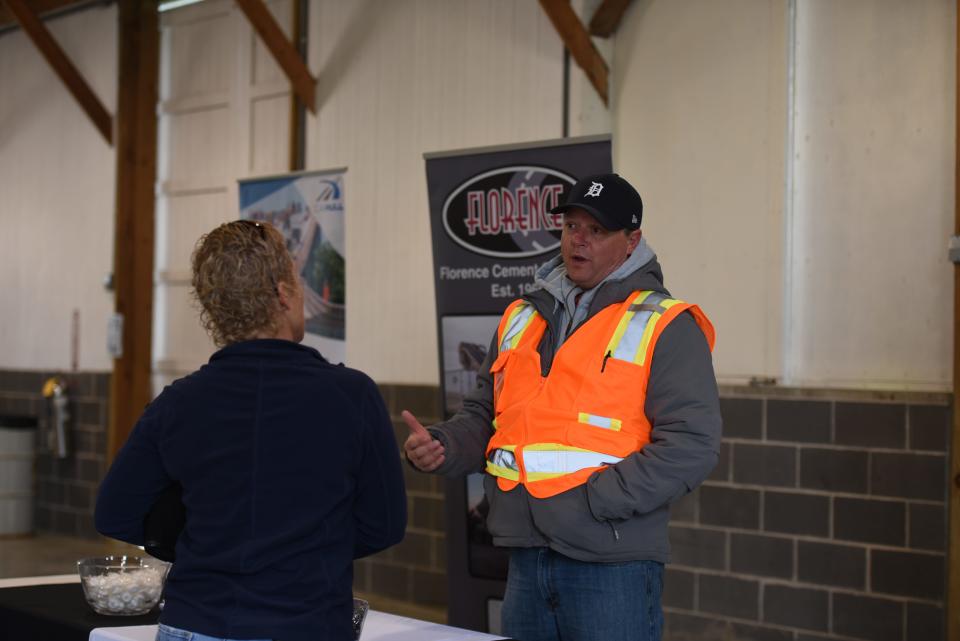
(553, 432)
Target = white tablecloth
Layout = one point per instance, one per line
(379, 626)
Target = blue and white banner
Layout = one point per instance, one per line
(308, 209)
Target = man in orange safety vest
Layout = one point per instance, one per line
(595, 409)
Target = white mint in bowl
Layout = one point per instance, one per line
(122, 585)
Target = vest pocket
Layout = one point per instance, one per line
(497, 370)
(608, 410)
(516, 375)
(617, 393)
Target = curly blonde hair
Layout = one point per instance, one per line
(236, 270)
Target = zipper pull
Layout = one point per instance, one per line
(616, 535)
(604, 365)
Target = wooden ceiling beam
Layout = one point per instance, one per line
(607, 17)
(579, 44)
(61, 64)
(286, 55)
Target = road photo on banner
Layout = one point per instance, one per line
(308, 209)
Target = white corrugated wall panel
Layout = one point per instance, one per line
(397, 80)
(269, 124)
(700, 115)
(57, 185)
(874, 194)
(225, 115)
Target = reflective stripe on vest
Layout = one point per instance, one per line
(547, 460)
(519, 320)
(502, 462)
(633, 333)
(605, 422)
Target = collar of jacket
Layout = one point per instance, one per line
(265, 347)
(633, 275)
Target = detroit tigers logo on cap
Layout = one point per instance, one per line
(609, 198)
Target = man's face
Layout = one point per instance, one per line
(590, 251)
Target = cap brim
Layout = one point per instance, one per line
(608, 224)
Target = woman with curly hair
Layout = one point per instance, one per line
(287, 465)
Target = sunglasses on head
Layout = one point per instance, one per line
(253, 223)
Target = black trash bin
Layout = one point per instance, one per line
(17, 448)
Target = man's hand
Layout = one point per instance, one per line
(421, 449)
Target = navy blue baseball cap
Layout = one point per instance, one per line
(607, 197)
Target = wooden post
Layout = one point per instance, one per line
(139, 53)
(952, 606)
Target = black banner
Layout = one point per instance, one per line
(492, 229)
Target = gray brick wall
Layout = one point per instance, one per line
(415, 570)
(825, 519)
(64, 489)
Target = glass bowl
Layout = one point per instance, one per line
(122, 585)
(360, 609)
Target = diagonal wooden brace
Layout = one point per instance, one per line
(286, 55)
(61, 64)
(577, 41)
(607, 17)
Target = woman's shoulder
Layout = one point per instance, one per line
(349, 378)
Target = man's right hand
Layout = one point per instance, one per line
(425, 452)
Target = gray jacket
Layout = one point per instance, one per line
(619, 514)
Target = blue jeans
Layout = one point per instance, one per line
(167, 633)
(551, 597)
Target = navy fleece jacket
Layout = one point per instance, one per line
(289, 469)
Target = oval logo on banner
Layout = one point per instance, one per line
(506, 212)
